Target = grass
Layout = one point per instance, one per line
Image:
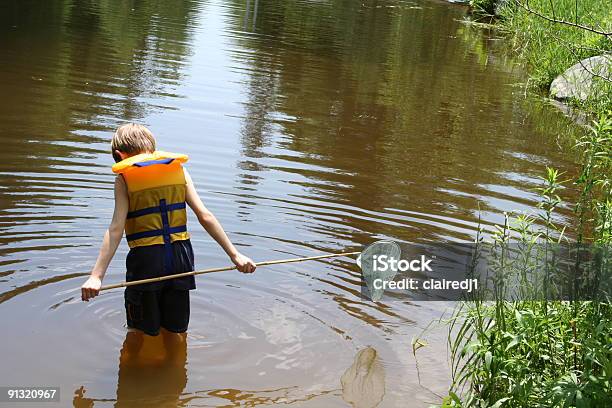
(545, 353)
(549, 48)
(541, 353)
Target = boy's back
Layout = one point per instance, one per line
(152, 191)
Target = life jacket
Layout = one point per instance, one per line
(156, 190)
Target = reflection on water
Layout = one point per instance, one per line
(154, 376)
(311, 126)
(152, 372)
(363, 383)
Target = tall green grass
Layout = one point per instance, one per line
(541, 353)
(550, 48)
(545, 353)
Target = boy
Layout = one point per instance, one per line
(151, 193)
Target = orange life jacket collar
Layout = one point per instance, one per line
(157, 156)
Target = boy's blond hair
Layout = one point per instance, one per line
(132, 139)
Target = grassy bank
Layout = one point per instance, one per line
(528, 353)
(539, 353)
(548, 47)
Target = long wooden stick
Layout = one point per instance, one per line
(226, 268)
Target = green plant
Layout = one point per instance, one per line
(484, 6)
(595, 180)
(548, 47)
(539, 353)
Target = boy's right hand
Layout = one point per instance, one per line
(91, 288)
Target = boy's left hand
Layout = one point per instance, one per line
(244, 264)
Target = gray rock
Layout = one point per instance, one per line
(577, 81)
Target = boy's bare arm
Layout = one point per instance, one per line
(214, 228)
(111, 241)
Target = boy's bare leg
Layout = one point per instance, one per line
(176, 346)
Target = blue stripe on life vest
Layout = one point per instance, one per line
(151, 162)
(168, 254)
(155, 233)
(156, 209)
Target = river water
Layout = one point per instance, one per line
(311, 126)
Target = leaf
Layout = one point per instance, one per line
(513, 343)
(580, 402)
(417, 344)
(455, 397)
(471, 346)
(488, 358)
(450, 401)
(499, 402)
(519, 317)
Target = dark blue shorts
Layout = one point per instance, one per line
(150, 262)
(159, 304)
(149, 311)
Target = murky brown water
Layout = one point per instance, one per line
(311, 126)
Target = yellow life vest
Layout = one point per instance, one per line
(156, 190)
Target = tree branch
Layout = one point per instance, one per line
(587, 69)
(559, 21)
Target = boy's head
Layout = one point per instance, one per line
(131, 139)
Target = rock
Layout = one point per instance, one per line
(576, 115)
(577, 81)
